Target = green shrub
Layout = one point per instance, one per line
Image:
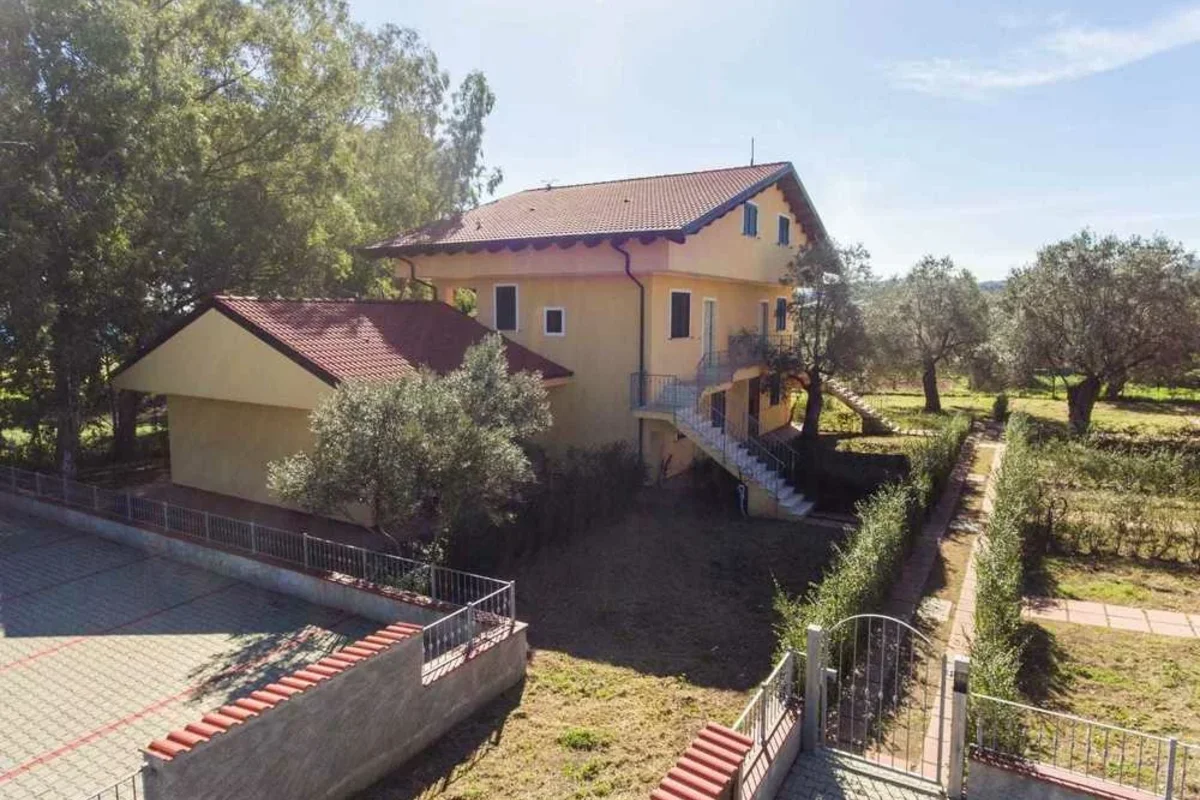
(572, 493)
(1099, 462)
(889, 521)
(1000, 566)
(1000, 408)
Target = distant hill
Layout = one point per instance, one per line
(991, 287)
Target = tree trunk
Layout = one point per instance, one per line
(933, 401)
(812, 408)
(1081, 398)
(1115, 386)
(124, 445)
(68, 424)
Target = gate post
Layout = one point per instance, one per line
(958, 728)
(813, 677)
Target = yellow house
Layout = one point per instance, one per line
(654, 292)
(242, 375)
(644, 303)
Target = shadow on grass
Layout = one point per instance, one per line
(671, 590)
(1043, 678)
(456, 753)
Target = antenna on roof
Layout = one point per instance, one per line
(752, 151)
(549, 183)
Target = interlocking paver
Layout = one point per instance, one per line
(825, 775)
(103, 648)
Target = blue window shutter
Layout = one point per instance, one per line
(749, 220)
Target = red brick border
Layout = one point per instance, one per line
(708, 769)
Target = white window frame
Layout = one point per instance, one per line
(546, 320)
(757, 220)
(671, 314)
(516, 306)
(775, 326)
(789, 219)
(703, 332)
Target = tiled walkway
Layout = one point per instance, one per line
(104, 647)
(1104, 615)
(825, 775)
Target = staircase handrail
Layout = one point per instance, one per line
(734, 434)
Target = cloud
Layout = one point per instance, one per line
(1064, 54)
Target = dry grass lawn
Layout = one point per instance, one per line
(640, 632)
(1139, 681)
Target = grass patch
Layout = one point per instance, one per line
(641, 631)
(1119, 581)
(1140, 417)
(1135, 680)
(583, 739)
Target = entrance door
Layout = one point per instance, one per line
(717, 409)
(753, 403)
(710, 327)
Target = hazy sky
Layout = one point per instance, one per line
(978, 130)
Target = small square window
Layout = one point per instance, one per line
(785, 230)
(554, 322)
(750, 219)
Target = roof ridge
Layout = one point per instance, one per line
(647, 177)
(299, 300)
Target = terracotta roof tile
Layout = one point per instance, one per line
(661, 204)
(365, 339)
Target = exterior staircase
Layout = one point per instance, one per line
(873, 420)
(728, 442)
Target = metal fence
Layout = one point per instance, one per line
(481, 598)
(1157, 765)
(776, 696)
(128, 788)
(457, 635)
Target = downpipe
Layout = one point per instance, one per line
(412, 274)
(641, 341)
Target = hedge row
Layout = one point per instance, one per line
(889, 521)
(1000, 565)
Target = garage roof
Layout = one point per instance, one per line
(346, 339)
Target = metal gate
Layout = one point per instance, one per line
(883, 695)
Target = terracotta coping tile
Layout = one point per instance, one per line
(260, 700)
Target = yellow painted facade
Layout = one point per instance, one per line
(217, 359)
(739, 274)
(221, 446)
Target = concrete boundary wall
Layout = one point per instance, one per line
(313, 588)
(336, 736)
(998, 779)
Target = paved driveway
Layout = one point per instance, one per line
(104, 647)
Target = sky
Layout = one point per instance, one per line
(977, 130)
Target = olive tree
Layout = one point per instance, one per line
(424, 448)
(933, 315)
(1095, 309)
(830, 336)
